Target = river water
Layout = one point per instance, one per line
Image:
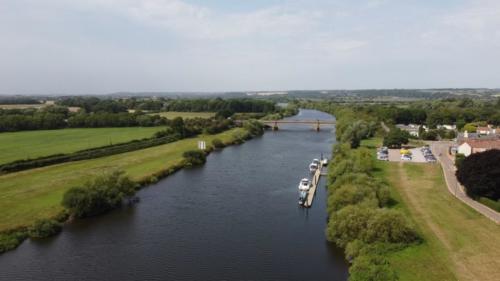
(235, 218)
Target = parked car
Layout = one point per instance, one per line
(383, 157)
(430, 158)
(406, 157)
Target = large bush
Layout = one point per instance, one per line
(371, 268)
(348, 224)
(254, 127)
(99, 195)
(351, 194)
(480, 174)
(389, 226)
(194, 157)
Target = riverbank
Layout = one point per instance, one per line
(458, 243)
(35, 194)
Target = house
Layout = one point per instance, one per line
(412, 129)
(478, 145)
(447, 127)
(462, 137)
(488, 130)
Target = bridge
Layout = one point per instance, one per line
(315, 123)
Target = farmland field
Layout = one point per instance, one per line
(21, 106)
(29, 195)
(186, 115)
(32, 144)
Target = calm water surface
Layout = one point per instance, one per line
(235, 218)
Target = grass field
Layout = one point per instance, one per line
(29, 195)
(32, 144)
(21, 106)
(459, 243)
(186, 115)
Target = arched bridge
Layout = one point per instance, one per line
(315, 123)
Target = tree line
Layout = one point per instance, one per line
(98, 113)
(94, 104)
(358, 205)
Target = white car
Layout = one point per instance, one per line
(406, 157)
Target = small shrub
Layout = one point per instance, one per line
(10, 240)
(217, 143)
(44, 228)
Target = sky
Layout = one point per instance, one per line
(105, 46)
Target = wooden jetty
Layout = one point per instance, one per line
(314, 185)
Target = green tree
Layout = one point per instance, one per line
(395, 138)
(480, 174)
(99, 195)
(471, 128)
(459, 159)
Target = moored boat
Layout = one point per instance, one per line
(304, 184)
(302, 197)
(313, 167)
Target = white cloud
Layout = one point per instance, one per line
(108, 45)
(476, 22)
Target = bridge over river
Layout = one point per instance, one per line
(315, 123)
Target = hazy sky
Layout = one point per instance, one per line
(102, 46)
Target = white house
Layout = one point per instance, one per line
(474, 146)
(410, 128)
(488, 130)
(447, 127)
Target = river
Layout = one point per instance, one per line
(235, 218)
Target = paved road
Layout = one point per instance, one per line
(441, 147)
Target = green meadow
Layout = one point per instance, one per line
(33, 144)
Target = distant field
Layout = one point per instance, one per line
(20, 106)
(32, 144)
(28, 195)
(186, 115)
(460, 244)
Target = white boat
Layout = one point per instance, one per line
(315, 161)
(304, 185)
(302, 197)
(324, 161)
(313, 167)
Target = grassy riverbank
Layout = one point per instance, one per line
(459, 243)
(33, 144)
(29, 195)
